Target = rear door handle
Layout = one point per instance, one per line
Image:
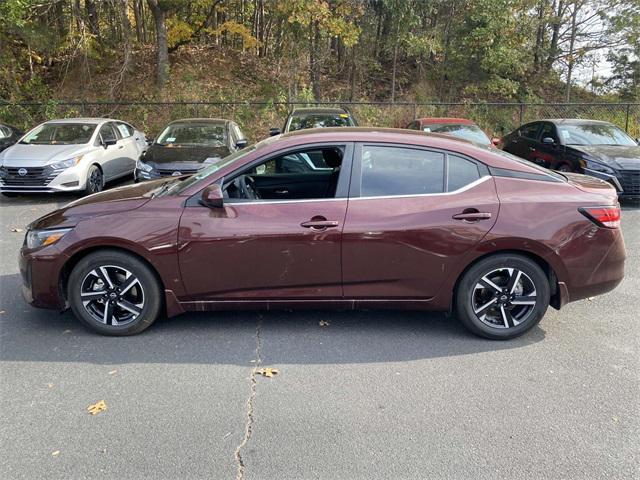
(319, 224)
(472, 216)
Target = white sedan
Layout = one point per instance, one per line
(75, 154)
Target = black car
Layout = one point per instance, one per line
(591, 147)
(185, 146)
(8, 136)
(312, 117)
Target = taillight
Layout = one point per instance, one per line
(603, 216)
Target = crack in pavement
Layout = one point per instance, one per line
(248, 426)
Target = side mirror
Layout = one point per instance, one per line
(150, 140)
(241, 143)
(548, 141)
(107, 143)
(212, 196)
(274, 131)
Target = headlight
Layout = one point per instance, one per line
(595, 166)
(42, 238)
(145, 167)
(67, 163)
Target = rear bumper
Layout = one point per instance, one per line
(601, 270)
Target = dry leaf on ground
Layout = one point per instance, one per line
(112, 372)
(267, 372)
(96, 408)
(17, 230)
(324, 323)
(56, 453)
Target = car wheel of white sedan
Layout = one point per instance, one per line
(95, 180)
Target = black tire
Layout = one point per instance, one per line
(499, 321)
(116, 264)
(95, 181)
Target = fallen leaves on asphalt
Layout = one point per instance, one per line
(17, 230)
(56, 453)
(267, 372)
(96, 408)
(324, 323)
(112, 372)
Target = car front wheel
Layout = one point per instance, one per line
(114, 293)
(95, 180)
(502, 296)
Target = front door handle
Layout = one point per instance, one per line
(318, 224)
(472, 216)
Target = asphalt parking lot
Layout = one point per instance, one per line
(371, 395)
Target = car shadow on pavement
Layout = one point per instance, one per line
(229, 338)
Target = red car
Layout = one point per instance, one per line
(456, 127)
(395, 219)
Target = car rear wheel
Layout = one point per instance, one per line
(114, 293)
(95, 180)
(502, 296)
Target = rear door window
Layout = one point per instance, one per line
(391, 171)
(107, 133)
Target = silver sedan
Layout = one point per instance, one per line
(76, 154)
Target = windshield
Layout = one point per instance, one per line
(60, 134)
(472, 133)
(320, 120)
(177, 186)
(594, 134)
(193, 134)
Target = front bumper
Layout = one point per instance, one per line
(40, 179)
(626, 182)
(168, 170)
(40, 271)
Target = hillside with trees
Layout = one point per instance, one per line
(318, 50)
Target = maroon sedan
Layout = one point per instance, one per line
(343, 218)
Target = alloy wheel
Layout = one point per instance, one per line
(112, 295)
(95, 180)
(504, 298)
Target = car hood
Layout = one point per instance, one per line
(160, 155)
(616, 156)
(24, 155)
(122, 199)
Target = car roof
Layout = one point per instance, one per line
(84, 120)
(572, 121)
(461, 121)
(316, 110)
(199, 120)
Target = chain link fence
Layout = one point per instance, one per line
(256, 118)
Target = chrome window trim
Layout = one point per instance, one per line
(453, 192)
(460, 190)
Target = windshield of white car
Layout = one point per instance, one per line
(473, 133)
(193, 134)
(60, 134)
(178, 186)
(594, 134)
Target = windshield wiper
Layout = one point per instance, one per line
(164, 187)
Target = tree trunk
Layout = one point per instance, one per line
(139, 19)
(555, 35)
(314, 67)
(570, 59)
(92, 17)
(161, 42)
